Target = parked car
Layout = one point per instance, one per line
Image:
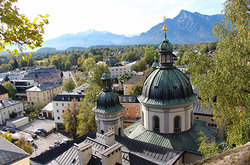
(42, 130)
(41, 117)
(38, 132)
(34, 136)
(6, 128)
(65, 140)
(30, 140)
(52, 146)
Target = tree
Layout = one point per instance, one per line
(33, 111)
(150, 54)
(17, 29)
(223, 80)
(136, 89)
(130, 57)
(86, 116)
(68, 65)
(94, 75)
(68, 84)
(88, 65)
(12, 90)
(6, 79)
(125, 77)
(70, 119)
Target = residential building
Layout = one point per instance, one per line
(4, 93)
(117, 71)
(7, 107)
(60, 102)
(43, 93)
(109, 149)
(133, 81)
(11, 154)
(132, 109)
(21, 87)
(41, 75)
(47, 111)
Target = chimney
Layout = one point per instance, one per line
(112, 155)
(84, 152)
(109, 138)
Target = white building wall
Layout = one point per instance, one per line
(5, 112)
(117, 71)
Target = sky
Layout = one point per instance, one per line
(128, 17)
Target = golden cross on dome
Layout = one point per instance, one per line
(165, 28)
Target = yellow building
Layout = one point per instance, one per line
(3, 93)
(43, 93)
(133, 81)
(11, 154)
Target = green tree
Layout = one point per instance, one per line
(68, 65)
(136, 89)
(68, 84)
(131, 56)
(94, 75)
(223, 80)
(88, 64)
(11, 88)
(125, 77)
(17, 29)
(6, 79)
(33, 111)
(70, 119)
(150, 54)
(86, 116)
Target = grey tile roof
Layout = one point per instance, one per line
(136, 80)
(68, 97)
(34, 75)
(3, 90)
(133, 151)
(10, 152)
(8, 103)
(198, 109)
(129, 99)
(43, 87)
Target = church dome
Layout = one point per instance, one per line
(107, 100)
(167, 87)
(165, 46)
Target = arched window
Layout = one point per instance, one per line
(156, 124)
(177, 124)
(119, 131)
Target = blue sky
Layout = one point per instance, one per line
(126, 17)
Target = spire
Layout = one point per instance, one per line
(165, 28)
(165, 50)
(106, 81)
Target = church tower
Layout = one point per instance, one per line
(109, 111)
(167, 95)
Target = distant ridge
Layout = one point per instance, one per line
(186, 27)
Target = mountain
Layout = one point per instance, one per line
(85, 39)
(186, 27)
(46, 49)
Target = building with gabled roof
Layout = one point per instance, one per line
(11, 154)
(4, 93)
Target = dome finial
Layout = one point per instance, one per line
(165, 28)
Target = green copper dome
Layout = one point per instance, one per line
(167, 87)
(165, 46)
(155, 64)
(108, 102)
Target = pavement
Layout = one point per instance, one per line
(43, 143)
(36, 124)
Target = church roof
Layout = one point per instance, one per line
(182, 141)
(167, 87)
(133, 152)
